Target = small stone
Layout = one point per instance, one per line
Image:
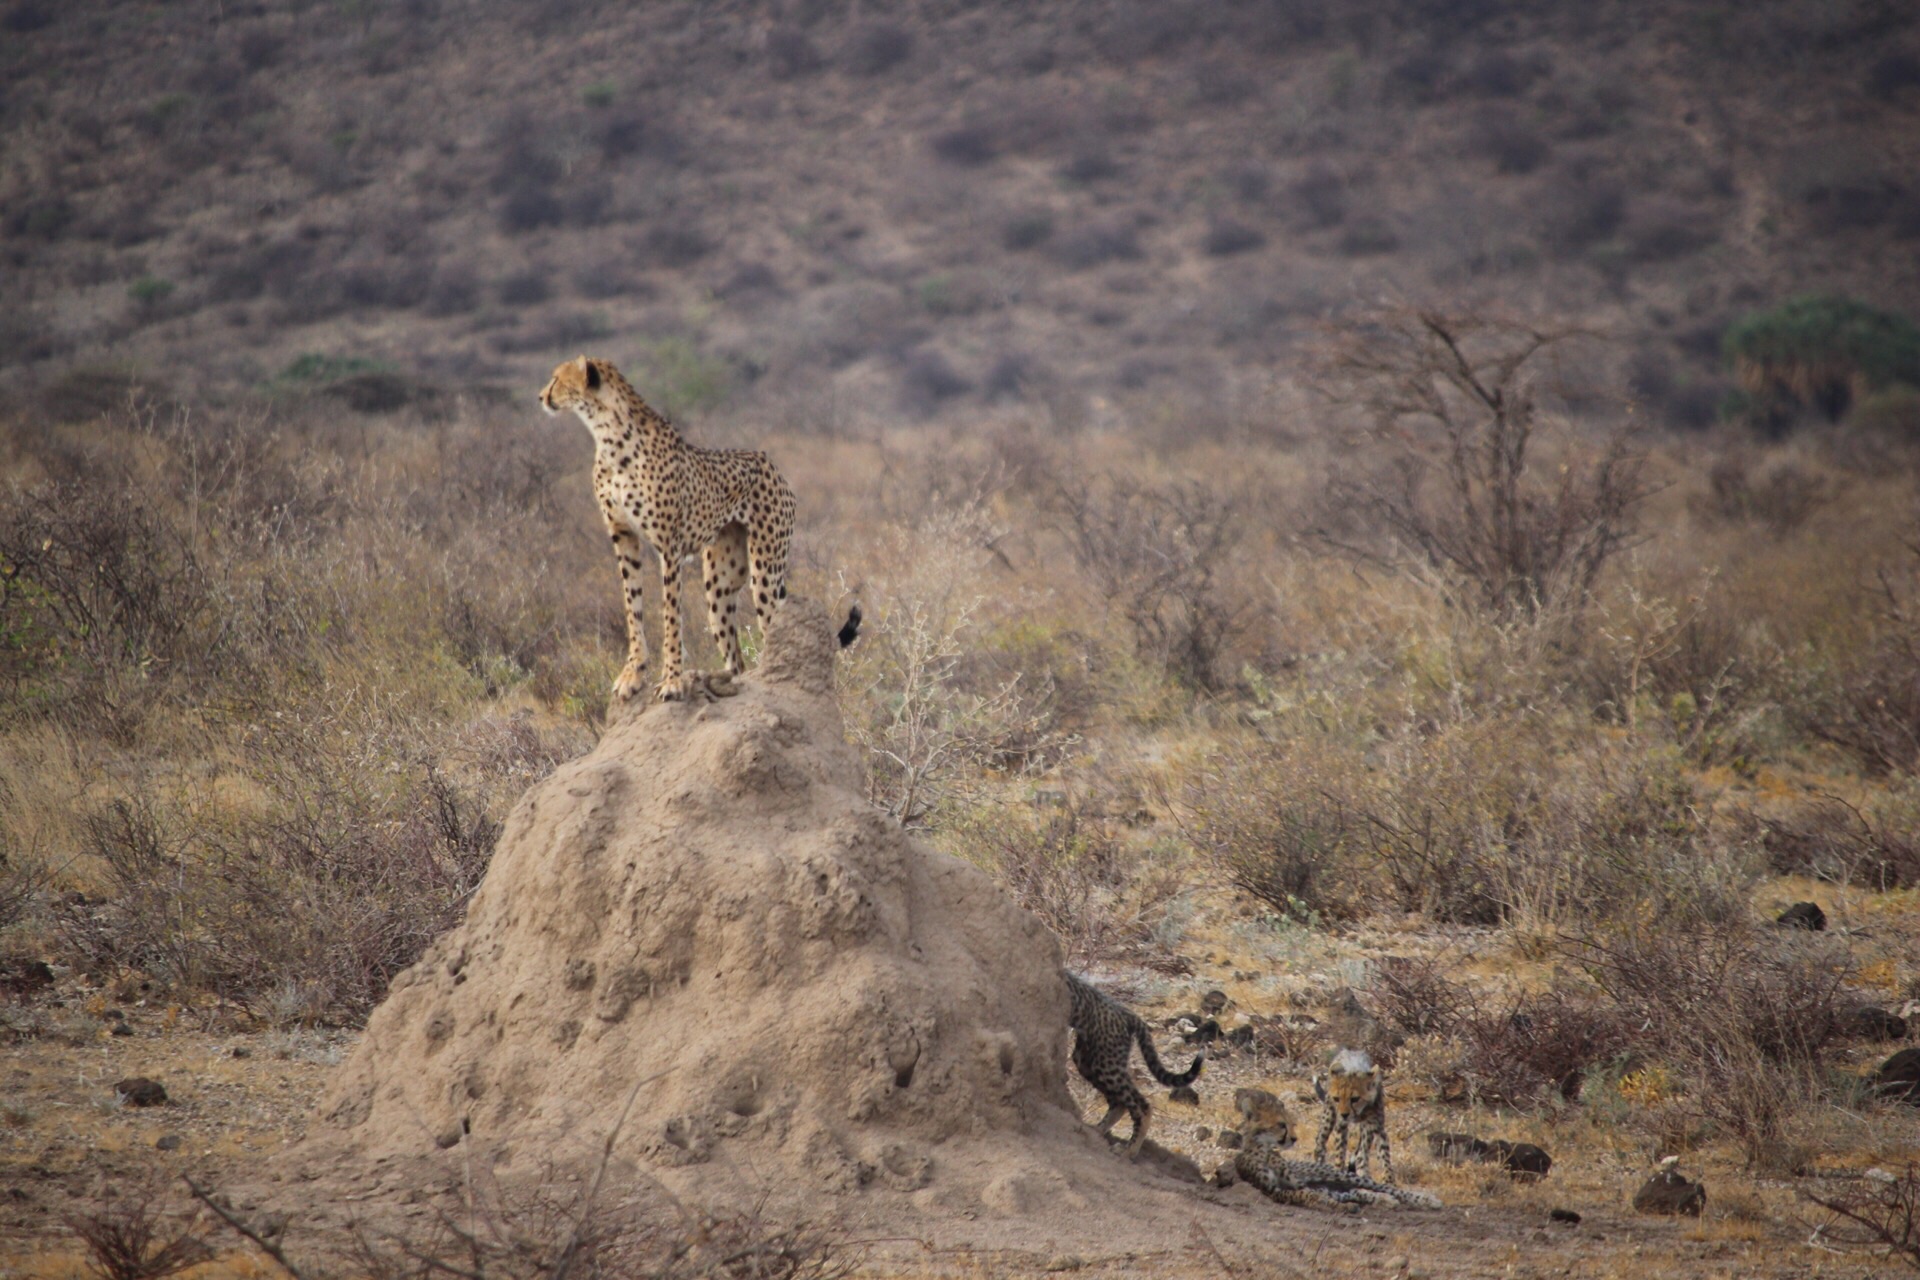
(1227, 1174)
(138, 1091)
(1203, 1134)
(1066, 1262)
(1230, 1139)
(121, 1029)
(1455, 1148)
(1670, 1192)
(241, 1051)
(1567, 1216)
(1184, 1093)
(1526, 1162)
(1213, 1002)
(167, 1142)
(1871, 1022)
(1899, 1077)
(1803, 915)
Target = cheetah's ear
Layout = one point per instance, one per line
(593, 374)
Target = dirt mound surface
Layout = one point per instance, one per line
(811, 1004)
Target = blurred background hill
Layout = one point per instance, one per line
(822, 212)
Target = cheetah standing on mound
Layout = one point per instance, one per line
(1104, 1032)
(729, 506)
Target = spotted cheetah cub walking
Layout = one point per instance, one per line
(728, 506)
(1104, 1033)
(1351, 1091)
(1266, 1130)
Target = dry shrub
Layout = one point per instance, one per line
(1829, 839)
(1076, 873)
(1453, 402)
(1880, 1214)
(1162, 556)
(1869, 702)
(1745, 1015)
(131, 1238)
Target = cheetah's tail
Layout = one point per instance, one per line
(850, 630)
(1160, 1073)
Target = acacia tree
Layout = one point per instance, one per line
(1451, 399)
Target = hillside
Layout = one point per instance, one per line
(821, 213)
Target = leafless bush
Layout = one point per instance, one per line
(131, 1238)
(1535, 1046)
(1162, 555)
(1830, 839)
(1870, 706)
(1411, 996)
(1074, 873)
(1455, 398)
(1880, 1214)
(1746, 1015)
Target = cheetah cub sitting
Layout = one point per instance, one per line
(1351, 1092)
(1266, 1129)
(1104, 1033)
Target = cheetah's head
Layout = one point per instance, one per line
(577, 385)
(1264, 1121)
(1351, 1085)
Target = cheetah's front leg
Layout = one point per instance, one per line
(677, 684)
(633, 676)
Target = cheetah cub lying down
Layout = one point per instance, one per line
(1351, 1092)
(730, 507)
(1266, 1129)
(1104, 1033)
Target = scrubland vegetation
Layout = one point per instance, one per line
(1482, 658)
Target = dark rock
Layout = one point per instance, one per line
(1230, 1139)
(1567, 1216)
(21, 976)
(1871, 1022)
(1526, 1162)
(1241, 1037)
(1669, 1192)
(1184, 1093)
(121, 1028)
(1203, 1134)
(1213, 1002)
(241, 1051)
(1899, 1077)
(138, 1091)
(1226, 1175)
(1803, 915)
(1205, 1032)
(168, 1142)
(1457, 1148)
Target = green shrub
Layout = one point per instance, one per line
(1823, 352)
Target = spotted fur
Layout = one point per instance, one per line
(730, 507)
(1104, 1033)
(1266, 1129)
(1351, 1093)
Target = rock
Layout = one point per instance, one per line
(1213, 1002)
(241, 1051)
(138, 1091)
(1228, 1173)
(1184, 1093)
(1230, 1139)
(1526, 1162)
(121, 1029)
(1871, 1022)
(1205, 1032)
(1670, 1192)
(21, 976)
(1899, 1077)
(167, 1142)
(1803, 915)
(1567, 1216)
(1203, 1134)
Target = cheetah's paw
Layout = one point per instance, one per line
(697, 686)
(631, 683)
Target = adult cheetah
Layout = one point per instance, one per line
(731, 507)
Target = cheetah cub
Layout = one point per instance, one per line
(1266, 1130)
(1104, 1033)
(1353, 1096)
